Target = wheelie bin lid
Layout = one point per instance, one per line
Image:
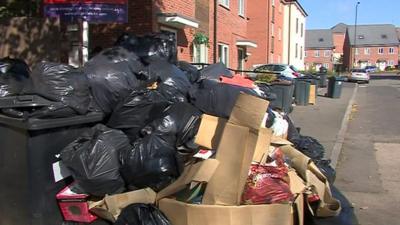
(23, 101)
(41, 124)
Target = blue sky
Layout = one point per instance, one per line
(327, 13)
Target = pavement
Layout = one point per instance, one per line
(366, 131)
(324, 119)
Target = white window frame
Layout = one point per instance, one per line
(356, 51)
(326, 65)
(391, 50)
(241, 6)
(301, 52)
(273, 2)
(390, 63)
(380, 51)
(327, 53)
(316, 53)
(367, 51)
(222, 57)
(224, 3)
(202, 51)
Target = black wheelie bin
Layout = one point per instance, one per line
(284, 96)
(28, 150)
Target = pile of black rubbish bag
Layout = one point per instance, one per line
(152, 106)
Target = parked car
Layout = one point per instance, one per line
(287, 71)
(359, 75)
(371, 69)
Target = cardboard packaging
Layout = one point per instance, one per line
(237, 141)
(180, 213)
(315, 180)
(74, 207)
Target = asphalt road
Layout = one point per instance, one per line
(368, 168)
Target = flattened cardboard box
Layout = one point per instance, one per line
(180, 213)
(237, 141)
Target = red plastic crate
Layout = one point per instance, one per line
(74, 207)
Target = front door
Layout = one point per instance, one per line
(241, 58)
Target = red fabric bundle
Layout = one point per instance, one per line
(268, 184)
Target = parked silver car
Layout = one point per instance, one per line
(285, 70)
(359, 75)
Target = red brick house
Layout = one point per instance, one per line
(376, 45)
(266, 28)
(319, 49)
(187, 19)
(339, 36)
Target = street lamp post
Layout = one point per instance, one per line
(355, 35)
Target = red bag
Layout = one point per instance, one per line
(268, 184)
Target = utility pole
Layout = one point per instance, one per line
(355, 36)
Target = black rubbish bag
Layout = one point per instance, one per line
(266, 89)
(183, 120)
(192, 73)
(151, 162)
(217, 99)
(113, 74)
(270, 119)
(137, 110)
(141, 214)
(14, 76)
(94, 160)
(151, 46)
(346, 216)
(62, 83)
(324, 165)
(174, 84)
(293, 132)
(309, 146)
(215, 71)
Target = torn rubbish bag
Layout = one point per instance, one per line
(113, 74)
(62, 83)
(14, 76)
(142, 214)
(94, 160)
(137, 110)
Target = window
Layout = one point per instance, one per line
(380, 50)
(356, 51)
(273, 2)
(320, 39)
(272, 30)
(326, 65)
(327, 53)
(301, 52)
(241, 57)
(272, 44)
(200, 53)
(223, 54)
(241, 7)
(316, 53)
(302, 29)
(273, 15)
(391, 62)
(279, 33)
(384, 36)
(297, 51)
(366, 51)
(224, 3)
(297, 25)
(391, 50)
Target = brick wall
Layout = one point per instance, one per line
(232, 27)
(258, 31)
(338, 42)
(324, 60)
(374, 57)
